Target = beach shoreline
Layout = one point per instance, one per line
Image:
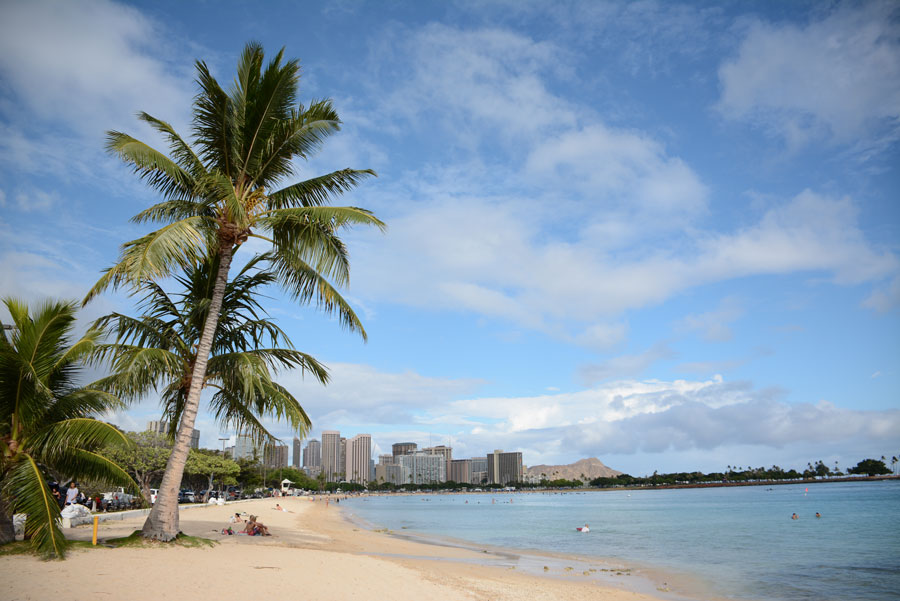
(316, 551)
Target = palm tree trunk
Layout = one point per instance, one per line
(162, 523)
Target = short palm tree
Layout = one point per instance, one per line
(46, 419)
(226, 192)
(159, 349)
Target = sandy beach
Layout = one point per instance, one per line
(314, 553)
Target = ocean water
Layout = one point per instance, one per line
(739, 543)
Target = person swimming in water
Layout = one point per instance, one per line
(795, 517)
(818, 515)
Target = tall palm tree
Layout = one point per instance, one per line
(159, 350)
(46, 419)
(226, 192)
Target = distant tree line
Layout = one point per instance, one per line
(866, 467)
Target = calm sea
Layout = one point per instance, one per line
(738, 542)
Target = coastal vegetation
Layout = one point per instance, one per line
(48, 425)
(224, 190)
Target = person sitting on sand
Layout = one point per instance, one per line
(255, 528)
(237, 519)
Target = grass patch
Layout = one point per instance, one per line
(23, 547)
(19, 547)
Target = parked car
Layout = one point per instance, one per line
(187, 496)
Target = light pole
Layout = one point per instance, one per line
(223, 457)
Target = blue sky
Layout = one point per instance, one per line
(663, 234)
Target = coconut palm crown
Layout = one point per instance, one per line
(229, 187)
(47, 423)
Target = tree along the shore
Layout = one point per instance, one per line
(226, 192)
(47, 422)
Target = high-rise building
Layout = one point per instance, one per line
(460, 471)
(391, 472)
(342, 459)
(358, 455)
(276, 455)
(244, 448)
(503, 468)
(479, 470)
(442, 451)
(331, 454)
(424, 468)
(162, 427)
(386, 460)
(403, 448)
(296, 453)
(312, 454)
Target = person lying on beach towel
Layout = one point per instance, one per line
(280, 508)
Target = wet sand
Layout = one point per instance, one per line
(314, 553)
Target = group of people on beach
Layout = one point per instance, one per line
(252, 526)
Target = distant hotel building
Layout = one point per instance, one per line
(460, 471)
(244, 448)
(312, 458)
(162, 427)
(331, 454)
(403, 448)
(441, 451)
(423, 468)
(479, 471)
(276, 455)
(296, 453)
(358, 458)
(503, 468)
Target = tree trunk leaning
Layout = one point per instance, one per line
(162, 523)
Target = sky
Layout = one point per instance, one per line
(662, 234)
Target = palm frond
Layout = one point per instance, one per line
(305, 284)
(25, 488)
(318, 191)
(56, 439)
(159, 171)
(183, 153)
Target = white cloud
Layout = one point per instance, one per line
(885, 298)
(713, 325)
(835, 79)
(629, 417)
(466, 80)
(361, 394)
(625, 366)
(620, 170)
(497, 257)
(87, 65)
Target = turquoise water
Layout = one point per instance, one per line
(739, 541)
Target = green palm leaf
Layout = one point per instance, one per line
(24, 484)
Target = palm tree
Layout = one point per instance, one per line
(46, 421)
(220, 195)
(159, 350)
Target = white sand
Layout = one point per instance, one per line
(314, 555)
